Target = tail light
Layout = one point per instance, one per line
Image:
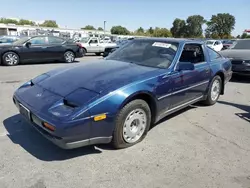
(79, 44)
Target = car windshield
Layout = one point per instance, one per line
(21, 41)
(159, 54)
(241, 44)
(210, 42)
(122, 42)
(84, 40)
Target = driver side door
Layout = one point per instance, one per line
(37, 50)
(93, 46)
(185, 85)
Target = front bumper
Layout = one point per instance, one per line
(64, 143)
(241, 69)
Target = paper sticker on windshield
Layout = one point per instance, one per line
(162, 44)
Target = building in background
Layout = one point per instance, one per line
(27, 30)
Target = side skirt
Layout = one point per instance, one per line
(177, 108)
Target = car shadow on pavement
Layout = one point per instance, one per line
(21, 132)
(245, 116)
(171, 116)
(109, 147)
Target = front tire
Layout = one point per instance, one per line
(132, 124)
(69, 57)
(214, 91)
(10, 59)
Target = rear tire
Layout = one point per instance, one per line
(69, 57)
(132, 124)
(84, 51)
(10, 59)
(214, 91)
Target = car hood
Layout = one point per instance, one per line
(236, 54)
(97, 76)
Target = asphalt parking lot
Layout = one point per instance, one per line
(198, 147)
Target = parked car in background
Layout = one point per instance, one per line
(215, 44)
(106, 40)
(93, 45)
(239, 53)
(39, 49)
(8, 39)
(110, 49)
(227, 44)
(116, 99)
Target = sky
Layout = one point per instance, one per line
(131, 14)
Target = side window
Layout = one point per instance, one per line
(213, 54)
(93, 41)
(192, 53)
(216, 43)
(55, 40)
(38, 40)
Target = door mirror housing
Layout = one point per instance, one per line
(28, 44)
(185, 66)
(114, 49)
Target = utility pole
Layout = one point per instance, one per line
(104, 27)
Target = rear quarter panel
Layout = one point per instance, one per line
(220, 65)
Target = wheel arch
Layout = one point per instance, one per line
(68, 49)
(84, 49)
(222, 76)
(148, 97)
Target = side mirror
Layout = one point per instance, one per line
(114, 49)
(28, 44)
(185, 66)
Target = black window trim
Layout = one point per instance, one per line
(202, 48)
(219, 56)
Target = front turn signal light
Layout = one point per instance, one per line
(48, 126)
(100, 117)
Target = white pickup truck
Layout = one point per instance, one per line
(93, 45)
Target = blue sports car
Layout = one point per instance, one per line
(117, 99)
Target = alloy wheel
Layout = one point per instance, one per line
(11, 59)
(215, 90)
(134, 125)
(69, 57)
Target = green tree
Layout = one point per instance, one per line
(161, 32)
(119, 30)
(194, 26)
(25, 22)
(49, 23)
(220, 25)
(244, 36)
(140, 30)
(8, 21)
(150, 31)
(238, 37)
(89, 27)
(179, 28)
(100, 29)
